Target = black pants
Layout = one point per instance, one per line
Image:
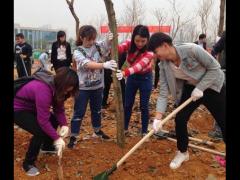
(107, 85)
(156, 76)
(214, 102)
(20, 68)
(28, 122)
(57, 64)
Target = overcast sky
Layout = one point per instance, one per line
(37, 13)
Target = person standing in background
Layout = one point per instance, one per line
(61, 52)
(23, 52)
(202, 41)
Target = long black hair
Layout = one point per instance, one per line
(144, 33)
(59, 35)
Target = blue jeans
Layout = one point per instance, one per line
(95, 99)
(144, 84)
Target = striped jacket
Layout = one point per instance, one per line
(141, 65)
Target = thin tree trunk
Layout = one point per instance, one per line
(70, 5)
(116, 83)
(221, 19)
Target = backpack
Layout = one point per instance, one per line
(85, 54)
(20, 82)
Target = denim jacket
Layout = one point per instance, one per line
(196, 63)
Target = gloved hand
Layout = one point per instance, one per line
(63, 131)
(196, 94)
(157, 125)
(110, 36)
(59, 145)
(112, 64)
(119, 75)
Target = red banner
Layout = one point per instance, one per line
(129, 29)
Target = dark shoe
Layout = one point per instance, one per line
(72, 142)
(30, 169)
(101, 135)
(50, 149)
(215, 134)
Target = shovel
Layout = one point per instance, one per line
(60, 169)
(163, 135)
(104, 175)
(173, 135)
(24, 67)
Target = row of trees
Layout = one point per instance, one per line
(205, 18)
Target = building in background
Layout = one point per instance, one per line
(39, 38)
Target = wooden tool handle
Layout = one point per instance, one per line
(152, 131)
(201, 148)
(194, 139)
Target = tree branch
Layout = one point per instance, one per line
(70, 5)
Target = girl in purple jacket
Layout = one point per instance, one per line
(39, 109)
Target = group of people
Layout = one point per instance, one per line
(60, 55)
(185, 70)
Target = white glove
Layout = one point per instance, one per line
(196, 94)
(63, 131)
(157, 125)
(59, 145)
(112, 64)
(109, 36)
(119, 75)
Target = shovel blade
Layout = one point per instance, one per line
(101, 176)
(104, 175)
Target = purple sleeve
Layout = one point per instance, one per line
(59, 112)
(43, 99)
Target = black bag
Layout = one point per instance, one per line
(20, 82)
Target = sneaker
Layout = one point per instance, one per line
(215, 134)
(30, 170)
(100, 134)
(178, 159)
(72, 142)
(48, 150)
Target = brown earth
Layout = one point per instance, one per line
(150, 161)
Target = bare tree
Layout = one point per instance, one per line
(116, 83)
(70, 5)
(189, 32)
(160, 15)
(214, 27)
(221, 19)
(133, 14)
(204, 12)
(177, 21)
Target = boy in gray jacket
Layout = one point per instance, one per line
(187, 70)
